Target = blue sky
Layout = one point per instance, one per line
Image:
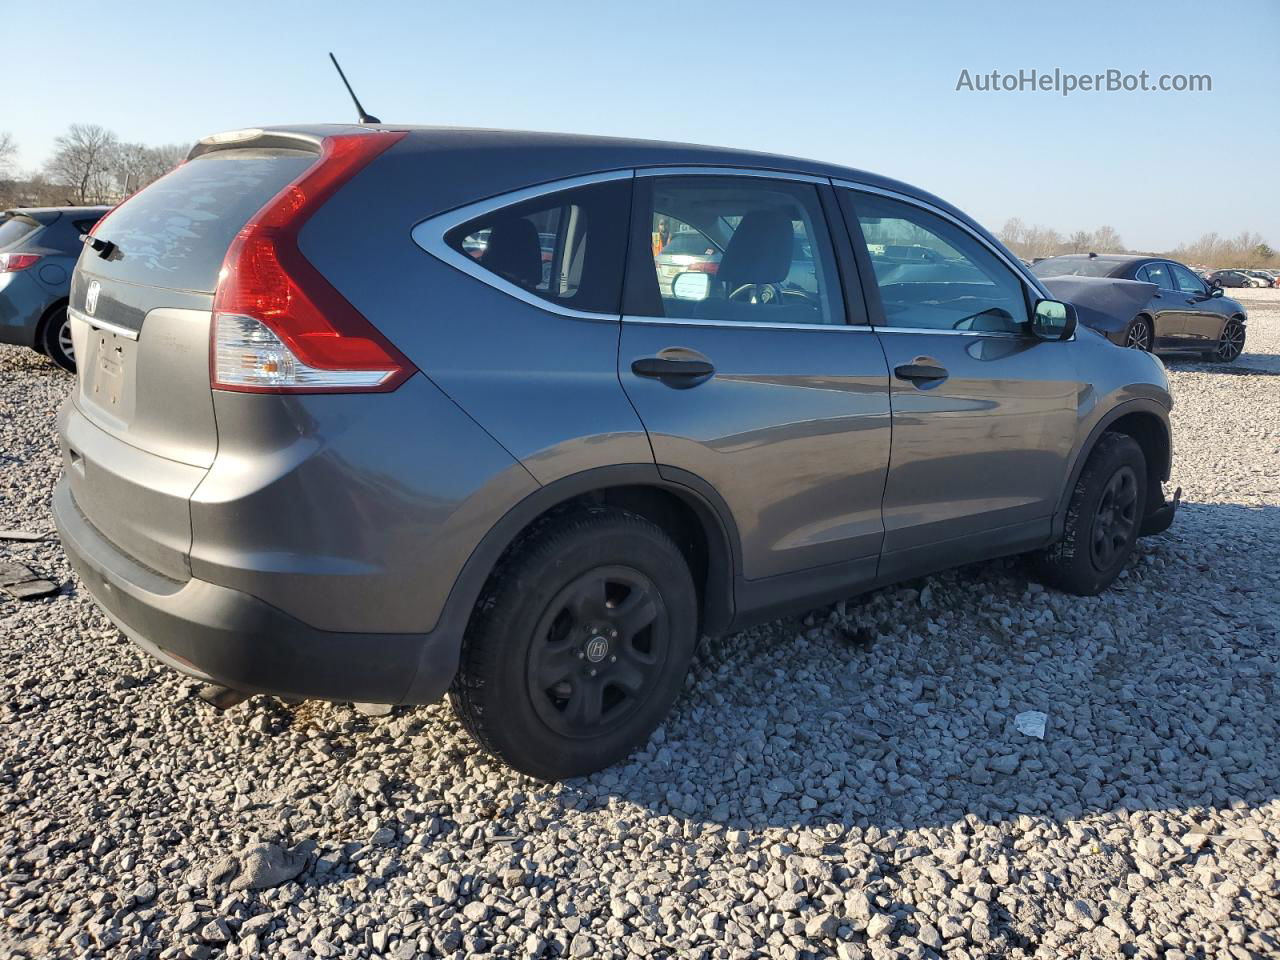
(868, 85)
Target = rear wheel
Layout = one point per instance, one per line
(1231, 344)
(55, 338)
(1138, 335)
(1103, 519)
(579, 644)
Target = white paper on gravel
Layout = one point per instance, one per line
(1031, 723)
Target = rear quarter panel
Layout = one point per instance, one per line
(544, 386)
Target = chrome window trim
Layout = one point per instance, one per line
(1019, 268)
(859, 327)
(107, 325)
(747, 324)
(694, 171)
(429, 234)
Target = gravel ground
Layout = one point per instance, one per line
(848, 784)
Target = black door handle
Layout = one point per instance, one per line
(920, 371)
(664, 367)
(1190, 300)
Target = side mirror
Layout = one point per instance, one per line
(1053, 320)
(691, 286)
(1216, 289)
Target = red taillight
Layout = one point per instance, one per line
(13, 262)
(703, 266)
(279, 325)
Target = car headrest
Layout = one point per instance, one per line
(513, 252)
(759, 251)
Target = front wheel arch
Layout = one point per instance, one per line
(1147, 422)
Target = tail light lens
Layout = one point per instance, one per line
(703, 266)
(279, 326)
(13, 262)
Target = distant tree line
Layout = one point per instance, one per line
(1030, 241)
(89, 165)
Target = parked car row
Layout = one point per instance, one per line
(1244, 278)
(490, 444)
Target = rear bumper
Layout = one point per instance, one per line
(235, 639)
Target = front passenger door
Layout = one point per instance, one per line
(984, 413)
(1205, 315)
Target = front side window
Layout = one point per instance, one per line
(567, 248)
(1187, 281)
(746, 249)
(934, 275)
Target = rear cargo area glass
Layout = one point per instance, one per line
(15, 229)
(175, 232)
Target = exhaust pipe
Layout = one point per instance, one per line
(220, 697)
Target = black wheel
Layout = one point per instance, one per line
(55, 338)
(1103, 519)
(579, 644)
(1137, 336)
(1231, 344)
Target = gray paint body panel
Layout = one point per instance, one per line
(372, 517)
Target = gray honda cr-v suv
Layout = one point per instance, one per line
(374, 414)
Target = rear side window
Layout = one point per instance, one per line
(1158, 273)
(732, 249)
(175, 232)
(566, 248)
(15, 229)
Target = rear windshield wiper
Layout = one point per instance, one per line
(103, 248)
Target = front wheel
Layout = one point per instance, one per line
(1138, 334)
(578, 645)
(56, 340)
(1103, 519)
(1230, 344)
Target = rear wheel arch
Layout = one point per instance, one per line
(683, 505)
(61, 303)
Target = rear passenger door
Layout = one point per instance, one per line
(984, 413)
(1169, 330)
(753, 372)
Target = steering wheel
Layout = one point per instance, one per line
(757, 293)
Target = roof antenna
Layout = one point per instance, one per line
(364, 117)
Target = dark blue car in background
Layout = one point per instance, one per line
(38, 250)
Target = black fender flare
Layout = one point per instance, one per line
(1081, 455)
(723, 547)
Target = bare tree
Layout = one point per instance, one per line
(1106, 239)
(1013, 233)
(8, 154)
(1080, 242)
(82, 161)
(137, 165)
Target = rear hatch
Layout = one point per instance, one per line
(141, 309)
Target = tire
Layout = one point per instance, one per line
(55, 338)
(1103, 519)
(579, 644)
(1138, 335)
(1230, 344)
